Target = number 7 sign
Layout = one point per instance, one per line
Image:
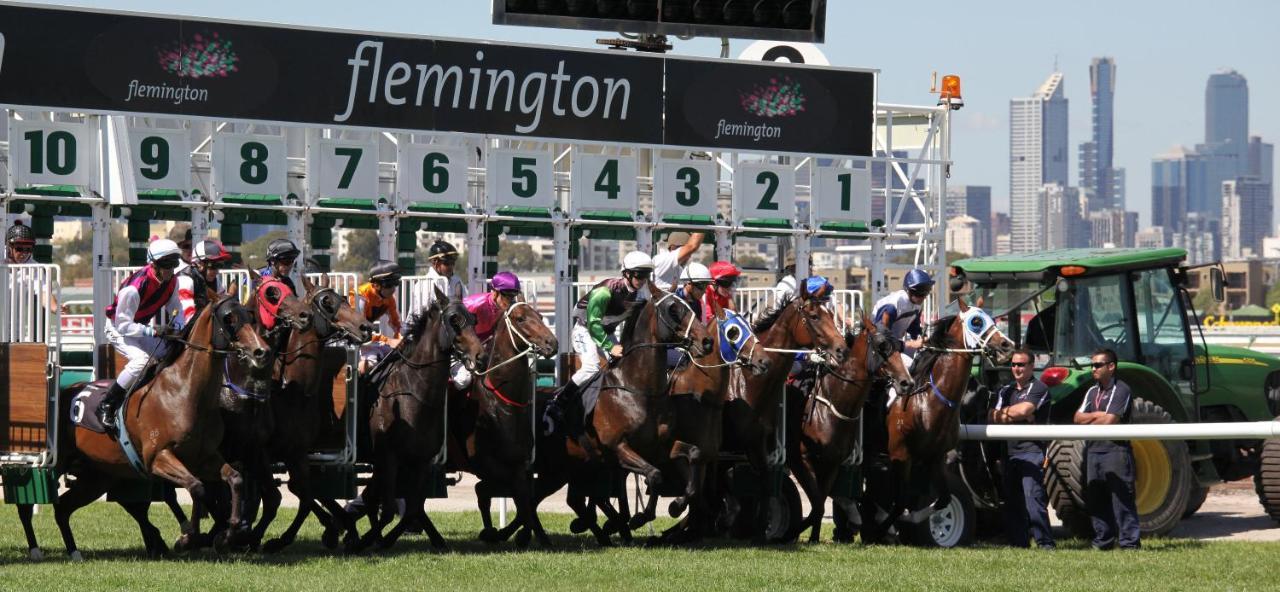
(346, 169)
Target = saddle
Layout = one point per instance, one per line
(84, 405)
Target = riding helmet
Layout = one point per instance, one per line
(162, 248)
(20, 234)
(637, 261)
(384, 272)
(441, 249)
(917, 280)
(282, 248)
(505, 281)
(210, 250)
(723, 269)
(696, 273)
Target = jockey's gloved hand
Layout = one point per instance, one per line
(167, 331)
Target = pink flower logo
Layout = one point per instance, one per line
(204, 56)
(779, 98)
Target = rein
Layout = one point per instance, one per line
(512, 333)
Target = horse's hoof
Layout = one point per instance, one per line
(603, 540)
(330, 538)
(639, 520)
(274, 546)
(35, 554)
(577, 526)
(489, 535)
(183, 544)
(677, 507)
(523, 538)
(77, 557)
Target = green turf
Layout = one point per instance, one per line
(114, 552)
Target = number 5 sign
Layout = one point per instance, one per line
(520, 178)
(764, 191)
(685, 188)
(248, 163)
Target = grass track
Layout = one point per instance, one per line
(113, 548)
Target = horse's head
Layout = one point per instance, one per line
(458, 330)
(821, 327)
(287, 309)
(981, 333)
(884, 358)
(233, 330)
(525, 323)
(678, 323)
(331, 314)
(738, 343)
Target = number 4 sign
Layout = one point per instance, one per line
(604, 182)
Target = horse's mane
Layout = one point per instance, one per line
(771, 316)
(629, 320)
(416, 324)
(937, 340)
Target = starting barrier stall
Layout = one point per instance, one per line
(29, 373)
(600, 164)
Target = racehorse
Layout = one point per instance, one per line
(924, 424)
(407, 424)
(494, 426)
(303, 408)
(246, 408)
(174, 423)
(751, 413)
(828, 422)
(633, 390)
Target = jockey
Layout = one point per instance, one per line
(694, 281)
(592, 338)
(196, 279)
(443, 257)
(376, 299)
(143, 295)
(725, 275)
(19, 242)
(488, 309)
(181, 234)
(281, 255)
(786, 287)
(898, 314)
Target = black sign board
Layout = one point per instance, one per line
(125, 63)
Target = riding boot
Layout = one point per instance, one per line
(563, 409)
(110, 403)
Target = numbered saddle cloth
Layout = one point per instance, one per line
(85, 405)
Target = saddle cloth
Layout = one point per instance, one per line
(85, 405)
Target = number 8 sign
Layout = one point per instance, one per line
(248, 163)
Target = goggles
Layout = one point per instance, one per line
(728, 282)
(170, 262)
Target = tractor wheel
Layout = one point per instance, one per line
(1195, 499)
(1162, 489)
(1064, 485)
(784, 512)
(952, 526)
(1267, 480)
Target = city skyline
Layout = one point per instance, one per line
(1000, 49)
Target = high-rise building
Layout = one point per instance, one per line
(1064, 226)
(1176, 177)
(973, 201)
(1152, 237)
(965, 235)
(1246, 216)
(1038, 154)
(1260, 160)
(1099, 178)
(1113, 228)
(1199, 236)
(1226, 111)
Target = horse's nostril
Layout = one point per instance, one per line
(259, 353)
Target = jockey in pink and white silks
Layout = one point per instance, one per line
(488, 308)
(140, 298)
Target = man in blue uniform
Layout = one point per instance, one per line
(1109, 464)
(1024, 401)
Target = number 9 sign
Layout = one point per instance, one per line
(161, 158)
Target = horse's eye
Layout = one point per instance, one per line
(229, 319)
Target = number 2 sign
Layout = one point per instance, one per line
(764, 191)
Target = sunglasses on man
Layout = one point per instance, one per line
(1019, 364)
(447, 259)
(1099, 364)
(22, 249)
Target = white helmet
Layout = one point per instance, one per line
(637, 261)
(695, 272)
(161, 248)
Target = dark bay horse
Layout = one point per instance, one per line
(303, 409)
(246, 408)
(407, 424)
(828, 422)
(175, 423)
(633, 390)
(754, 401)
(924, 424)
(494, 427)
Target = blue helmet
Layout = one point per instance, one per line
(917, 280)
(817, 286)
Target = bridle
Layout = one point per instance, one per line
(529, 348)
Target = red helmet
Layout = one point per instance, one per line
(723, 269)
(210, 250)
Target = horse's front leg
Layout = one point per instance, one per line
(631, 460)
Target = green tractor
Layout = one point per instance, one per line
(1065, 304)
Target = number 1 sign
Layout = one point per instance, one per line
(842, 194)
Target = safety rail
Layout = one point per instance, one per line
(30, 303)
(416, 292)
(1146, 431)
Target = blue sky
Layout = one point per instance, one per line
(1164, 51)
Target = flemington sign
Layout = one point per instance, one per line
(105, 62)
